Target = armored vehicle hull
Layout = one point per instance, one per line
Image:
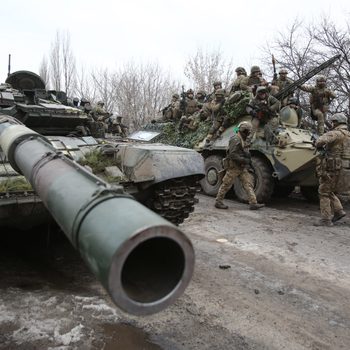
(164, 178)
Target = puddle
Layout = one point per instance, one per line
(126, 337)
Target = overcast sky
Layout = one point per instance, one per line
(108, 33)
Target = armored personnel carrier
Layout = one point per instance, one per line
(145, 170)
(277, 167)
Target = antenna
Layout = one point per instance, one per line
(9, 66)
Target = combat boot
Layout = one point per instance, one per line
(256, 206)
(220, 205)
(323, 222)
(338, 215)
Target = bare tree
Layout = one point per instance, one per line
(140, 91)
(204, 68)
(44, 71)
(60, 70)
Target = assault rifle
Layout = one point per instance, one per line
(293, 86)
(183, 101)
(274, 68)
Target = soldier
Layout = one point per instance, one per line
(172, 112)
(320, 98)
(336, 144)
(75, 101)
(118, 128)
(294, 103)
(236, 164)
(201, 96)
(280, 83)
(254, 80)
(214, 110)
(217, 85)
(191, 107)
(241, 74)
(263, 108)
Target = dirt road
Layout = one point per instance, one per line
(264, 279)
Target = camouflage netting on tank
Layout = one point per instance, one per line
(15, 184)
(236, 109)
(97, 161)
(171, 135)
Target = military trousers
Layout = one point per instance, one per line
(230, 176)
(329, 202)
(320, 120)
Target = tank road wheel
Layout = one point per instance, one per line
(212, 180)
(174, 199)
(262, 180)
(310, 193)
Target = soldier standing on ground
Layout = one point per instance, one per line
(329, 171)
(320, 98)
(236, 164)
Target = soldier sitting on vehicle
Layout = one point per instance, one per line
(217, 85)
(172, 112)
(333, 169)
(215, 112)
(241, 74)
(280, 83)
(201, 96)
(320, 98)
(236, 164)
(190, 107)
(117, 128)
(263, 108)
(253, 81)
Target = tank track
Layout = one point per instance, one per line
(174, 199)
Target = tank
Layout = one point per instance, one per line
(142, 260)
(277, 167)
(145, 170)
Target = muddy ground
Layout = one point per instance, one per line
(263, 279)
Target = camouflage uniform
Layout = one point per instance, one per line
(201, 97)
(214, 110)
(263, 109)
(191, 107)
(280, 83)
(237, 163)
(254, 80)
(320, 99)
(337, 157)
(217, 85)
(241, 74)
(117, 128)
(172, 111)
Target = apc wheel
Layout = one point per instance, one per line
(310, 193)
(262, 180)
(213, 178)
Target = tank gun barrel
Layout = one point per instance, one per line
(293, 86)
(142, 260)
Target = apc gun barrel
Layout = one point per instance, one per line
(293, 86)
(142, 260)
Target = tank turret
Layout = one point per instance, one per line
(142, 260)
(145, 170)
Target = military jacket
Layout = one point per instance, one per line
(236, 86)
(320, 97)
(192, 106)
(213, 109)
(248, 82)
(237, 152)
(337, 142)
(265, 109)
(282, 83)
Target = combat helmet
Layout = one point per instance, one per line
(283, 71)
(176, 96)
(220, 92)
(245, 126)
(189, 91)
(217, 83)
(261, 89)
(340, 118)
(255, 69)
(240, 70)
(321, 79)
(201, 92)
(100, 103)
